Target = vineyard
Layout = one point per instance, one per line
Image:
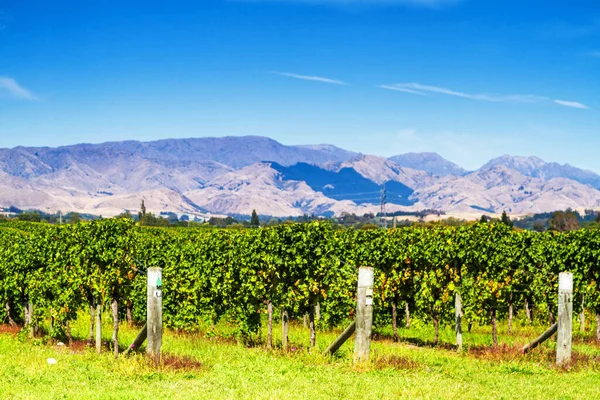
(49, 274)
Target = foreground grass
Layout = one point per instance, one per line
(229, 370)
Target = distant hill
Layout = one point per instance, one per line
(430, 162)
(500, 188)
(232, 151)
(538, 168)
(234, 175)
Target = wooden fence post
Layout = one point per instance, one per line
(337, 343)
(364, 314)
(285, 326)
(528, 310)
(139, 339)
(582, 315)
(154, 313)
(91, 336)
(98, 327)
(28, 309)
(7, 308)
(565, 318)
(458, 314)
(311, 325)
(270, 325)
(540, 339)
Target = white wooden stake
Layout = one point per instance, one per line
(565, 318)
(458, 315)
(364, 314)
(154, 313)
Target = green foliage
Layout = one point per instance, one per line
(61, 268)
(29, 216)
(232, 274)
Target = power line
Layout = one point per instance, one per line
(383, 200)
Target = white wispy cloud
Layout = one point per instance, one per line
(415, 3)
(398, 88)
(573, 104)
(11, 88)
(311, 78)
(424, 90)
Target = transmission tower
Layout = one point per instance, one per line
(382, 212)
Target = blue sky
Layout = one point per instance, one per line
(470, 79)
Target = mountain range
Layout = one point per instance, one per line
(234, 175)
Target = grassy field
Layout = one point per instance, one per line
(211, 367)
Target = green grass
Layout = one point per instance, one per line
(230, 370)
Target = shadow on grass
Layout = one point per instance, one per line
(177, 362)
(587, 339)
(413, 341)
(173, 362)
(503, 352)
(78, 345)
(399, 363)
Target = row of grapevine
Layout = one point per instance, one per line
(237, 275)
(52, 272)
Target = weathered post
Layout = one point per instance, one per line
(154, 313)
(540, 339)
(28, 309)
(285, 326)
(91, 336)
(510, 314)
(337, 343)
(270, 325)
(395, 318)
(129, 313)
(115, 336)
(98, 327)
(528, 310)
(311, 324)
(364, 314)
(139, 339)
(11, 322)
(458, 314)
(582, 315)
(565, 318)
